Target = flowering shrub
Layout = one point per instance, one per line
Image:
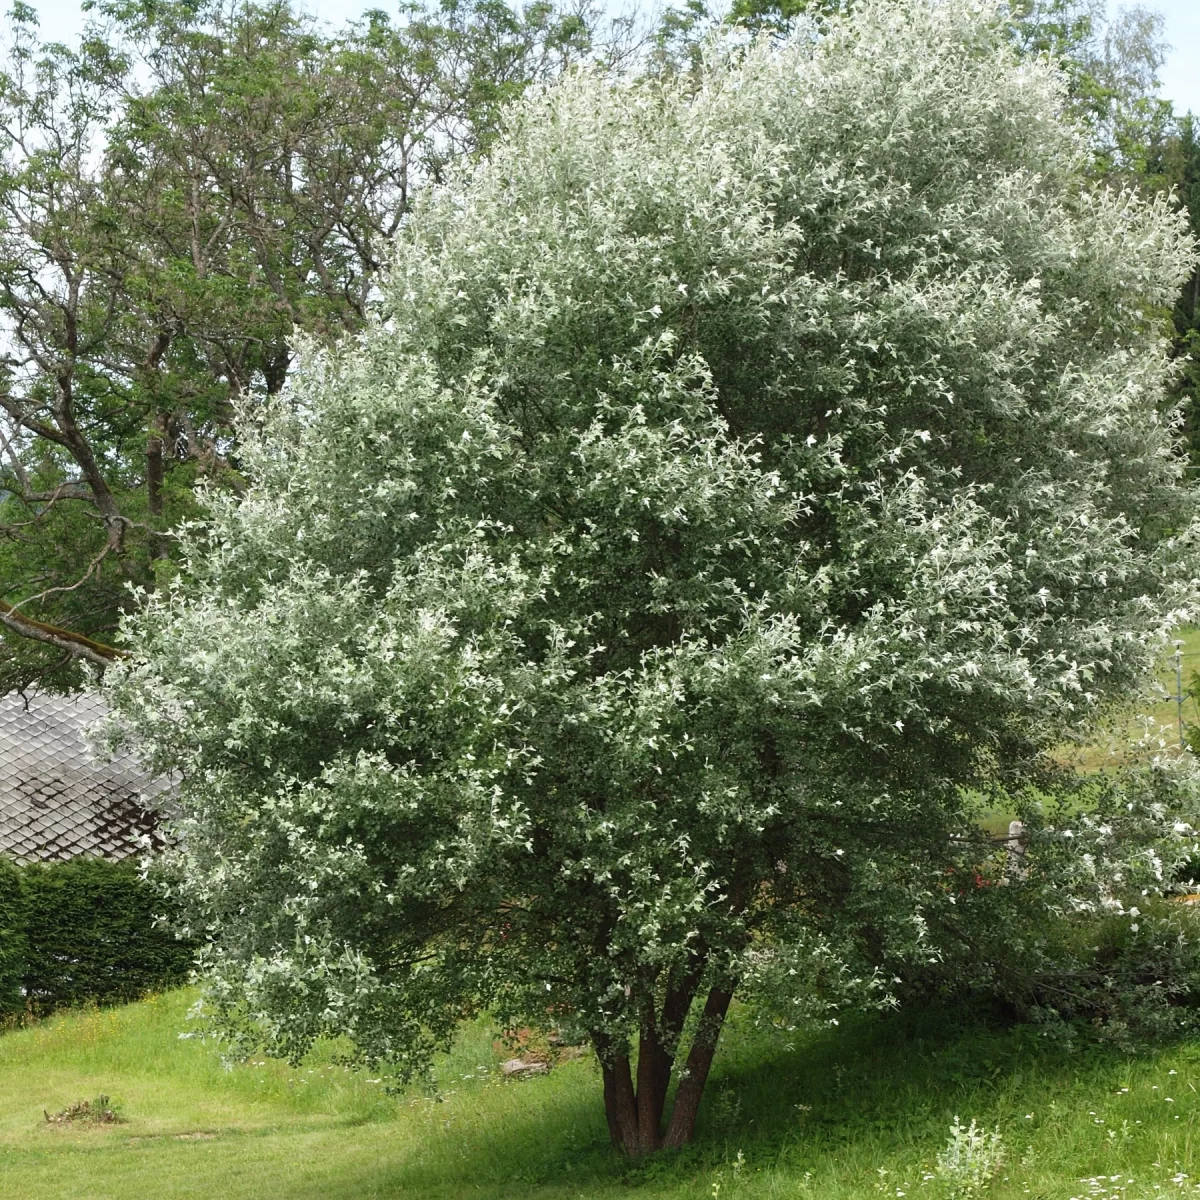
(1090, 931)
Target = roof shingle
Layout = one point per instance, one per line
(58, 798)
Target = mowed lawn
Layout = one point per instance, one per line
(855, 1112)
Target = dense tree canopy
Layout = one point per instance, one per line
(193, 185)
(1111, 66)
(741, 473)
(181, 194)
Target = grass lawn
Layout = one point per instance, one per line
(859, 1111)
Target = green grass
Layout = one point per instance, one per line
(855, 1112)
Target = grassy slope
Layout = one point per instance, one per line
(853, 1113)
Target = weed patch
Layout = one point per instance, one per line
(100, 1111)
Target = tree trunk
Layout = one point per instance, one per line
(635, 1115)
(620, 1104)
(695, 1075)
(155, 446)
(155, 476)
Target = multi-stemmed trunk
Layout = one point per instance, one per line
(636, 1111)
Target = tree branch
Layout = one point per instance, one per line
(74, 644)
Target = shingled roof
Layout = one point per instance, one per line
(60, 799)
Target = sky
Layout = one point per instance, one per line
(61, 20)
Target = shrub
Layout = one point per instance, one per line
(970, 1161)
(1130, 979)
(1089, 934)
(93, 935)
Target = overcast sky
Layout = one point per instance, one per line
(1180, 83)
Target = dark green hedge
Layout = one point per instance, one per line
(13, 944)
(82, 931)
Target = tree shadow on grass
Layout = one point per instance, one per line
(889, 1084)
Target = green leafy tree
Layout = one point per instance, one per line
(779, 16)
(743, 472)
(182, 195)
(1112, 67)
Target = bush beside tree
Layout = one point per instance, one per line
(1082, 931)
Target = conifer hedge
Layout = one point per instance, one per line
(83, 931)
(13, 944)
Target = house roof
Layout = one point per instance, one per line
(58, 797)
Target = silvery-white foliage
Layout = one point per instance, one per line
(740, 471)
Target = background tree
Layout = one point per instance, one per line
(745, 471)
(1187, 307)
(181, 195)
